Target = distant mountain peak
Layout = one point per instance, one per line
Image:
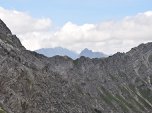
(50, 52)
(86, 50)
(89, 53)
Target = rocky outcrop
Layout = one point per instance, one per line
(4, 29)
(33, 83)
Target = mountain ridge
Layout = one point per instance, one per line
(50, 52)
(33, 83)
(89, 53)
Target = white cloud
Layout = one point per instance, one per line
(21, 22)
(29, 30)
(109, 37)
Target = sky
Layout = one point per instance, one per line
(101, 25)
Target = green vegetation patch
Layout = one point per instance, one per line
(1, 110)
(150, 58)
(141, 101)
(109, 99)
(146, 93)
(136, 100)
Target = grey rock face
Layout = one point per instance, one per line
(33, 83)
(4, 29)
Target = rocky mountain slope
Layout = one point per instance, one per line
(33, 83)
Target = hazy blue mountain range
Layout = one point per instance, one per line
(50, 52)
(89, 53)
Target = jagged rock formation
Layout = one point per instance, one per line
(33, 83)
